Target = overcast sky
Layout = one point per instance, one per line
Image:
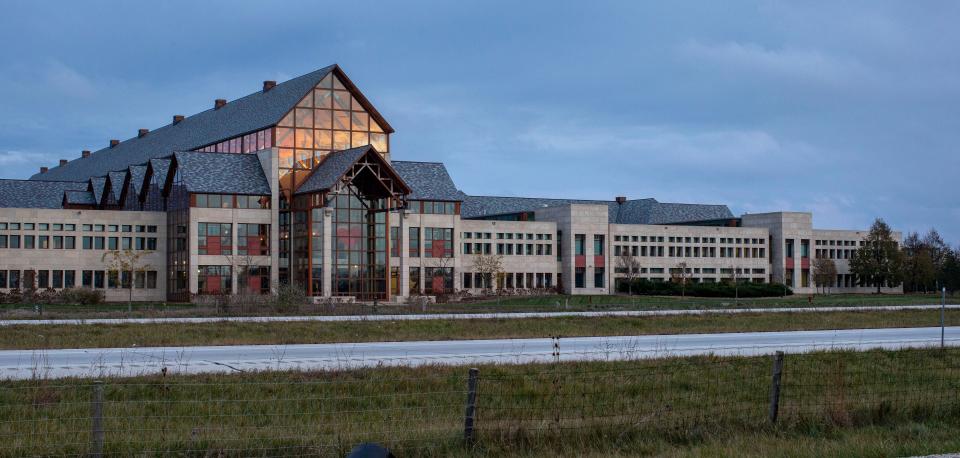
(848, 110)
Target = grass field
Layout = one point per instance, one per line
(233, 333)
(504, 304)
(837, 404)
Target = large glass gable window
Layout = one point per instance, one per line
(328, 119)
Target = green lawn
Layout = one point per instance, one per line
(233, 333)
(504, 304)
(839, 404)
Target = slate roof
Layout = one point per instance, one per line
(80, 198)
(97, 184)
(333, 167)
(429, 180)
(35, 194)
(638, 211)
(244, 115)
(161, 167)
(222, 173)
(116, 183)
(137, 174)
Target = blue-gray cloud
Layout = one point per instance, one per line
(844, 109)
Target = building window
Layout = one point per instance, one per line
(599, 274)
(395, 242)
(43, 279)
(215, 238)
(598, 245)
(214, 280)
(395, 279)
(253, 239)
(438, 242)
(414, 240)
(439, 280)
(579, 240)
(98, 278)
(579, 277)
(69, 278)
(255, 279)
(14, 279)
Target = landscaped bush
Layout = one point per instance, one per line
(653, 288)
(290, 296)
(81, 296)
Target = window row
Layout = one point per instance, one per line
(119, 243)
(59, 227)
(508, 280)
(230, 201)
(835, 253)
(57, 279)
(851, 243)
(30, 242)
(510, 249)
(427, 207)
(661, 239)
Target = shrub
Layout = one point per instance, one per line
(746, 290)
(81, 296)
(290, 296)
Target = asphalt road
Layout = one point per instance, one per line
(467, 316)
(25, 364)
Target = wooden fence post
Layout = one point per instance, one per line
(775, 387)
(470, 416)
(96, 405)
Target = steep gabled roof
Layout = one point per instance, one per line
(35, 194)
(97, 185)
(429, 180)
(334, 166)
(244, 115)
(137, 174)
(117, 179)
(222, 173)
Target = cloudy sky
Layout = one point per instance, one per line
(849, 110)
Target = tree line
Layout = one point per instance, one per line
(921, 264)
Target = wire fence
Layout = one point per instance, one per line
(441, 411)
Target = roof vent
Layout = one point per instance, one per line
(267, 85)
(142, 132)
(114, 143)
(85, 153)
(43, 169)
(219, 103)
(63, 162)
(621, 199)
(177, 118)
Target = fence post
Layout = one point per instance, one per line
(96, 445)
(469, 421)
(775, 387)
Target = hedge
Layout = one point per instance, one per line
(653, 288)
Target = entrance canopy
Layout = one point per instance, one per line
(364, 168)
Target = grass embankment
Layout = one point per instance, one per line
(832, 404)
(504, 304)
(232, 333)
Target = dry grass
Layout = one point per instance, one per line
(503, 304)
(232, 333)
(893, 403)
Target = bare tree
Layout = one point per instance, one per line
(120, 261)
(824, 273)
(735, 275)
(629, 266)
(489, 266)
(681, 275)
